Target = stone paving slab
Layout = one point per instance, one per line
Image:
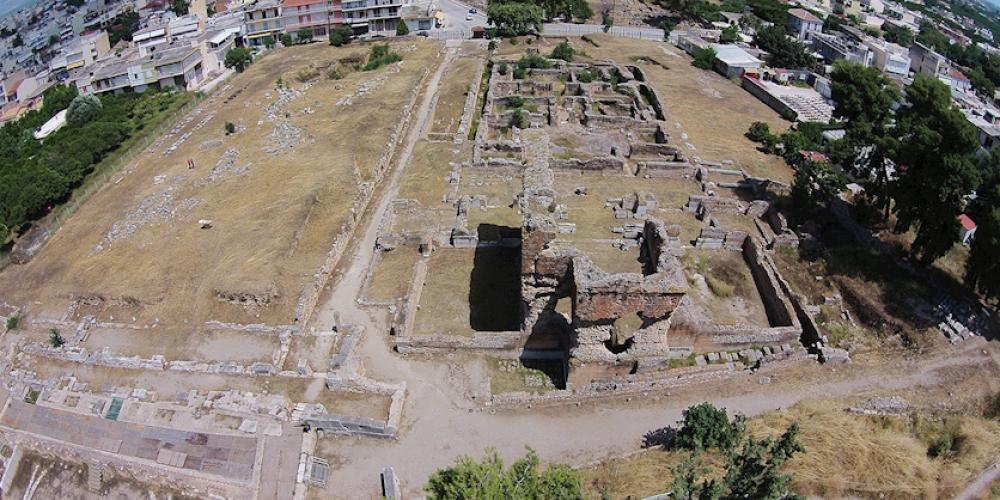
(230, 457)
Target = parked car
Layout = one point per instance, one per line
(423, 33)
(472, 11)
(468, 17)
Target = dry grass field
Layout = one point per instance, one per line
(452, 94)
(849, 455)
(712, 111)
(277, 191)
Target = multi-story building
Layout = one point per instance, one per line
(263, 21)
(170, 66)
(318, 15)
(803, 24)
(372, 15)
(925, 61)
(889, 58)
(834, 47)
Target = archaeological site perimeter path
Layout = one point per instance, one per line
(443, 417)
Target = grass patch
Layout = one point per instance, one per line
(484, 85)
(510, 375)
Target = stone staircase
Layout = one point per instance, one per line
(95, 475)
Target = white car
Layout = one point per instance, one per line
(468, 17)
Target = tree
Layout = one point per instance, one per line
(563, 51)
(304, 35)
(729, 34)
(785, 52)
(83, 108)
(706, 426)
(752, 472)
(18, 41)
(341, 36)
(468, 478)
(53, 39)
(864, 98)
(580, 10)
(897, 34)
(286, 39)
(402, 29)
(983, 85)
(607, 21)
(55, 339)
(238, 58)
(123, 26)
(379, 56)
(934, 151)
(180, 7)
(982, 270)
(704, 57)
(515, 19)
(759, 132)
(57, 98)
(816, 183)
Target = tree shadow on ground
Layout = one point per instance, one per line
(662, 437)
(495, 283)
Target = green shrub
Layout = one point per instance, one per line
(563, 51)
(704, 58)
(238, 58)
(759, 132)
(380, 56)
(519, 119)
(12, 322)
(520, 73)
(706, 426)
(502, 68)
(341, 36)
(533, 60)
(304, 35)
(992, 410)
(585, 76)
(286, 39)
(515, 101)
(402, 29)
(492, 45)
(55, 339)
(230, 128)
(607, 21)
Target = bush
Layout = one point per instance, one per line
(563, 51)
(607, 21)
(469, 478)
(519, 119)
(520, 73)
(55, 339)
(759, 132)
(304, 35)
(533, 60)
(992, 410)
(341, 36)
(12, 323)
(515, 101)
(502, 69)
(230, 128)
(402, 29)
(83, 109)
(585, 76)
(238, 58)
(706, 426)
(286, 39)
(492, 45)
(380, 56)
(704, 58)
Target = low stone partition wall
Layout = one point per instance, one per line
(498, 341)
(647, 149)
(765, 275)
(641, 384)
(601, 163)
(697, 202)
(747, 335)
(607, 121)
(670, 169)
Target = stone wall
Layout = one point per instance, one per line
(776, 304)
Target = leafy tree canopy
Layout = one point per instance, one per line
(706, 426)
(515, 18)
(469, 478)
(785, 52)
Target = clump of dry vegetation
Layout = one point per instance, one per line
(924, 454)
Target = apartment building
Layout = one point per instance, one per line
(169, 66)
(263, 21)
(889, 58)
(925, 61)
(372, 15)
(803, 24)
(318, 15)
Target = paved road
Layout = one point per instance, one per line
(455, 14)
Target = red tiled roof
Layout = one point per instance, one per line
(966, 222)
(956, 74)
(804, 15)
(814, 156)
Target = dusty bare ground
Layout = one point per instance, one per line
(712, 111)
(136, 249)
